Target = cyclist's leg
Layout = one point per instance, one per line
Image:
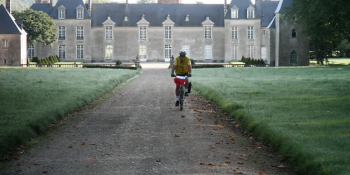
(177, 93)
(177, 90)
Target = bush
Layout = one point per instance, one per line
(192, 62)
(118, 63)
(58, 59)
(35, 59)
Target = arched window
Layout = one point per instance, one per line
(294, 33)
(293, 57)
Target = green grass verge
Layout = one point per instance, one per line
(302, 112)
(32, 98)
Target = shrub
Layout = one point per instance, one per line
(35, 59)
(192, 62)
(118, 63)
(58, 59)
(51, 59)
(28, 61)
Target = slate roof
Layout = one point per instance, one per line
(42, 7)
(272, 24)
(8, 24)
(242, 8)
(282, 4)
(156, 14)
(70, 5)
(266, 11)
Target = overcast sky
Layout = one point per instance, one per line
(184, 1)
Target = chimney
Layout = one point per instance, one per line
(51, 4)
(90, 6)
(126, 5)
(225, 8)
(8, 6)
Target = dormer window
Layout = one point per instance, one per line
(234, 12)
(80, 12)
(187, 18)
(168, 34)
(109, 27)
(250, 12)
(126, 18)
(61, 12)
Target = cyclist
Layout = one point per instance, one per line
(182, 67)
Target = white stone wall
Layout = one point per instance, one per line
(15, 53)
(242, 40)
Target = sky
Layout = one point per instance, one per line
(184, 1)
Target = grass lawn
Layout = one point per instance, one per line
(335, 61)
(341, 61)
(303, 112)
(32, 98)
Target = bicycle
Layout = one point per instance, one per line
(180, 81)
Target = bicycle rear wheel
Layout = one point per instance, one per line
(181, 97)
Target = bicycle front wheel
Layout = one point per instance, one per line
(181, 97)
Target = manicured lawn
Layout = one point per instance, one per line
(303, 112)
(342, 61)
(32, 98)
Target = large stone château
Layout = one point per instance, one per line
(154, 32)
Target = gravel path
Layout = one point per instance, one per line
(138, 130)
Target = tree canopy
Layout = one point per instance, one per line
(39, 26)
(146, 1)
(326, 22)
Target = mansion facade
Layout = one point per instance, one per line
(154, 32)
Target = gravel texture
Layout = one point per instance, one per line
(138, 130)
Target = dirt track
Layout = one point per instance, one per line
(138, 130)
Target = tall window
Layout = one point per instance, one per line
(167, 51)
(251, 51)
(234, 13)
(61, 13)
(143, 32)
(207, 32)
(62, 52)
(109, 52)
(293, 57)
(142, 51)
(80, 32)
(186, 48)
(250, 32)
(234, 52)
(109, 32)
(250, 14)
(31, 52)
(61, 32)
(263, 33)
(80, 51)
(168, 32)
(234, 32)
(294, 34)
(4, 44)
(80, 13)
(207, 52)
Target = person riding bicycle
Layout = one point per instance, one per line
(182, 67)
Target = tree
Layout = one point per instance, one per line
(39, 26)
(17, 4)
(325, 22)
(146, 2)
(344, 47)
(100, 1)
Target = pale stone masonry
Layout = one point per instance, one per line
(154, 32)
(13, 39)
